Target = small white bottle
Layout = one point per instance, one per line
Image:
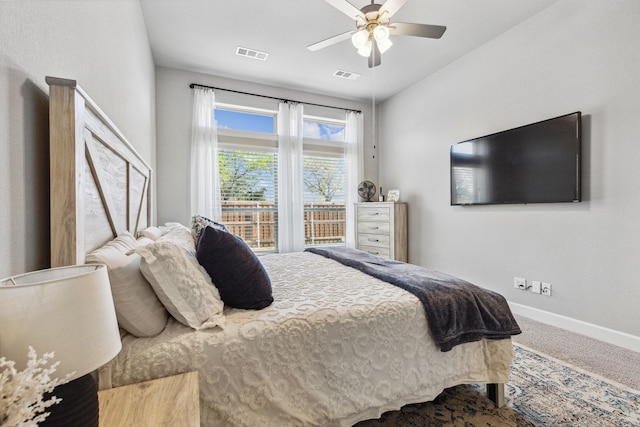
(381, 196)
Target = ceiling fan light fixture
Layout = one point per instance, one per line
(365, 50)
(380, 33)
(360, 39)
(374, 27)
(384, 45)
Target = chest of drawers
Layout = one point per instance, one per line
(381, 229)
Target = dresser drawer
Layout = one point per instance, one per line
(372, 213)
(380, 240)
(373, 227)
(373, 250)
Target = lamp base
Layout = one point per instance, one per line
(79, 406)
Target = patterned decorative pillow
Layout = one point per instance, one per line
(138, 309)
(235, 270)
(180, 236)
(199, 223)
(182, 285)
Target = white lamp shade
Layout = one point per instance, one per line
(360, 39)
(366, 49)
(384, 45)
(381, 32)
(66, 310)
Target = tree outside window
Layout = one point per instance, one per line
(243, 174)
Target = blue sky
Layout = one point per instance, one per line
(244, 121)
(265, 123)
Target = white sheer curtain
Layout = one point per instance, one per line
(290, 186)
(354, 159)
(205, 187)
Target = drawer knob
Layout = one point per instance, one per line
(374, 213)
(374, 240)
(374, 228)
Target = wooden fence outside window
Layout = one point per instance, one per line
(255, 222)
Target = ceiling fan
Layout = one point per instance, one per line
(373, 28)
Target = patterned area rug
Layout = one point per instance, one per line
(542, 391)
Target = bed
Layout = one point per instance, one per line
(336, 346)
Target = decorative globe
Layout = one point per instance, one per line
(366, 190)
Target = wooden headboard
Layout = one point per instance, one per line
(100, 186)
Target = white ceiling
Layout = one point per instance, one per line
(202, 36)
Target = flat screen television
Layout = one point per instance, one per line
(535, 163)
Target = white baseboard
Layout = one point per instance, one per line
(621, 339)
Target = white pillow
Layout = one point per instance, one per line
(141, 241)
(182, 284)
(138, 309)
(168, 226)
(152, 233)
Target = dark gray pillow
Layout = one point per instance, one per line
(235, 270)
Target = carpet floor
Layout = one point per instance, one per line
(542, 391)
(607, 360)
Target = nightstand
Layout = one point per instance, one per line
(170, 401)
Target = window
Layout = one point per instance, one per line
(248, 185)
(324, 181)
(248, 166)
(248, 170)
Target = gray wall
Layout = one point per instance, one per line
(576, 55)
(174, 106)
(104, 46)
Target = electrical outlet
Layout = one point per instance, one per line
(546, 289)
(519, 283)
(536, 286)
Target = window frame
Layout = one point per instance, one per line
(233, 139)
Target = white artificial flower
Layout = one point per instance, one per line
(22, 393)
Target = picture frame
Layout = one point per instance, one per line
(393, 195)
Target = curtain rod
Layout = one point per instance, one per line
(192, 85)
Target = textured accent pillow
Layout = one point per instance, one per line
(199, 223)
(138, 309)
(182, 285)
(180, 236)
(235, 270)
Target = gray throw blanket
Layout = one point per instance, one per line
(456, 310)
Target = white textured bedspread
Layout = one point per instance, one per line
(336, 346)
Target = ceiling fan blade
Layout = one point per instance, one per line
(391, 7)
(330, 41)
(347, 8)
(417, 30)
(375, 56)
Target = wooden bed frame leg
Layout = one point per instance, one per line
(495, 393)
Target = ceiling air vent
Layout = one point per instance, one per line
(346, 75)
(250, 53)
